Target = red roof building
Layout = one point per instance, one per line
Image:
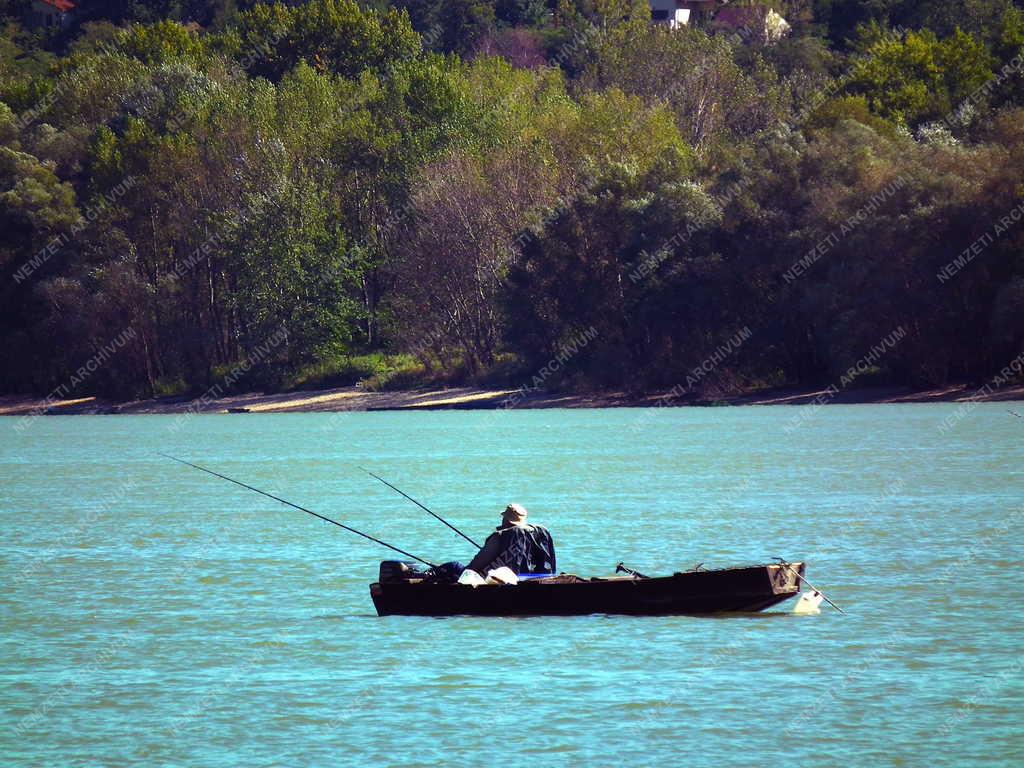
(53, 14)
(757, 22)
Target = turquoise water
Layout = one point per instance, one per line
(153, 615)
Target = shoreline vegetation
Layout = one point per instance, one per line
(356, 399)
(467, 203)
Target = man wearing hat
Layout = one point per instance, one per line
(515, 543)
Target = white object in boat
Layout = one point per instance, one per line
(503, 575)
(472, 578)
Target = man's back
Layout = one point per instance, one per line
(523, 548)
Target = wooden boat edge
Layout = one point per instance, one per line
(737, 589)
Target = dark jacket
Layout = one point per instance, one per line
(523, 548)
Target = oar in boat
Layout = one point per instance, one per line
(301, 509)
(421, 506)
(796, 573)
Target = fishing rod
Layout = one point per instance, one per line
(421, 506)
(301, 509)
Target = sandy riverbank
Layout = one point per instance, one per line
(355, 399)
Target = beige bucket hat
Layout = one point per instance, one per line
(514, 514)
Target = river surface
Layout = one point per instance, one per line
(153, 615)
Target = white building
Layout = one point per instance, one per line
(679, 13)
(752, 22)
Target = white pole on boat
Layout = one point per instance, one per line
(796, 573)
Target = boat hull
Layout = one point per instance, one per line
(703, 592)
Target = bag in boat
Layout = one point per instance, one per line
(503, 575)
(471, 578)
(392, 571)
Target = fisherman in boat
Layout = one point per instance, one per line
(525, 548)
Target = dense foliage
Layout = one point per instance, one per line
(460, 188)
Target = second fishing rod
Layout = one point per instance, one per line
(335, 522)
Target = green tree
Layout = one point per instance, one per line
(917, 77)
(712, 97)
(330, 35)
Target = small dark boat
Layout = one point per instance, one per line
(696, 592)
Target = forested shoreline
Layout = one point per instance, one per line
(271, 196)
